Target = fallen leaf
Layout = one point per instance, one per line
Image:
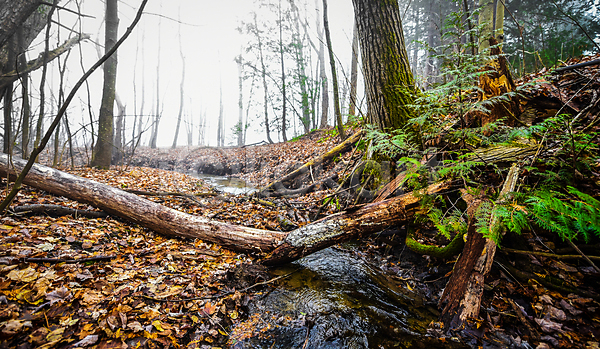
(23, 275)
(61, 294)
(90, 339)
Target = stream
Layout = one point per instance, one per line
(335, 298)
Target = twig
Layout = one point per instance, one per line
(534, 333)
(576, 23)
(66, 9)
(588, 259)
(551, 255)
(68, 261)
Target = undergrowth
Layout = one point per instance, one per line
(548, 196)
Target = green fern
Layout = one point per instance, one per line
(567, 215)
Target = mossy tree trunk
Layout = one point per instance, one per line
(389, 82)
(103, 156)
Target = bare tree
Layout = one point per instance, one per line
(157, 115)
(181, 94)
(283, 91)
(103, 153)
(336, 93)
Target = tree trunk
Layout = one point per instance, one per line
(240, 129)
(491, 18)
(119, 141)
(157, 115)
(103, 152)
(8, 96)
(181, 94)
(465, 288)
(264, 79)
(25, 108)
(220, 131)
(354, 71)
(336, 92)
(13, 14)
(283, 89)
(285, 247)
(389, 81)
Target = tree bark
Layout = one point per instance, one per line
(389, 81)
(285, 247)
(103, 152)
(13, 14)
(354, 71)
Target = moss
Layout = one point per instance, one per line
(453, 248)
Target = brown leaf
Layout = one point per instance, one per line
(61, 294)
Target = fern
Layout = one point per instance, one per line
(567, 215)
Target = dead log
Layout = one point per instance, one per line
(351, 224)
(285, 247)
(465, 288)
(144, 212)
(273, 186)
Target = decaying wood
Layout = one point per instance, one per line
(285, 247)
(465, 287)
(273, 187)
(347, 225)
(504, 153)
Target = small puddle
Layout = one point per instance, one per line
(229, 185)
(338, 300)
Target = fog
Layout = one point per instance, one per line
(209, 43)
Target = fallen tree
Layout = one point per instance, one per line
(282, 247)
(277, 185)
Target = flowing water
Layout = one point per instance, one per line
(334, 299)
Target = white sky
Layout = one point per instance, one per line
(210, 44)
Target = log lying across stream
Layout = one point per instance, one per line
(282, 247)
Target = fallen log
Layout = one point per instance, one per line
(465, 288)
(146, 213)
(273, 186)
(284, 247)
(357, 223)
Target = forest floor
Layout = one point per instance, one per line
(101, 282)
(71, 281)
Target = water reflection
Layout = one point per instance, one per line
(230, 185)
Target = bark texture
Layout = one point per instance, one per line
(13, 14)
(389, 82)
